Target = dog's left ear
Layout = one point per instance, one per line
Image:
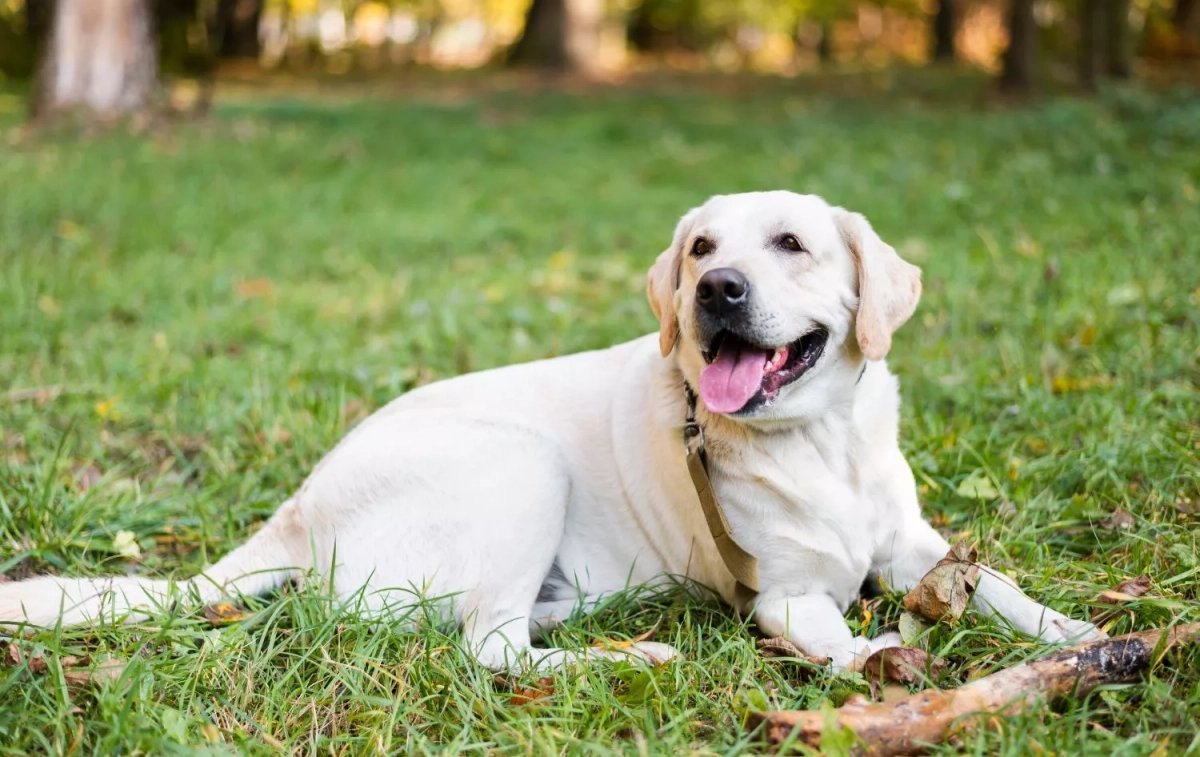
(888, 287)
(662, 284)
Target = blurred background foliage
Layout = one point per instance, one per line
(1067, 40)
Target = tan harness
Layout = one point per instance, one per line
(742, 564)
(739, 562)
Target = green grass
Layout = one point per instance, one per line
(206, 311)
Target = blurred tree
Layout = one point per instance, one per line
(235, 28)
(24, 27)
(1104, 41)
(100, 57)
(662, 25)
(38, 16)
(1118, 40)
(183, 38)
(1185, 17)
(825, 42)
(1017, 72)
(560, 34)
(1091, 20)
(944, 25)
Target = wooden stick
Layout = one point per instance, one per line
(909, 725)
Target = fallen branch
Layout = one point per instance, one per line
(909, 725)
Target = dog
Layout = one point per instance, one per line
(518, 496)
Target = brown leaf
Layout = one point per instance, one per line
(1126, 591)
(39, 394)
(522, 695)
(778, 646)
(106, 671)
(12, 655)
(945, 591)
(1118, 520)
(86, 476)
(902, 665)
(37, 664)
(354, 411)
(224, 613)
(247, 288)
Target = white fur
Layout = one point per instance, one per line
(471, 489)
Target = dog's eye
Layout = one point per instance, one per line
(701, 247)
(790, 243)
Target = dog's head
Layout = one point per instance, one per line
(761, 294)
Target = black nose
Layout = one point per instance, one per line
(722, 290)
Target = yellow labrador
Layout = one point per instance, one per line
(520, 495)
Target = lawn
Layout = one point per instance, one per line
(191, 318)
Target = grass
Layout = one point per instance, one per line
(191, 319)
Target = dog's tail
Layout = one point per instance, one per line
(275, 554)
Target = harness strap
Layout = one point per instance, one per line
(742, 564)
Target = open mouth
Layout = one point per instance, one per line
(741, 376)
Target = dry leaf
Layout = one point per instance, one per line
(247, 288)
(125, 544)
(1064, 384)
(525, 695)
(977, 486)
(1118, 520)
(37, 664)
(902, 665)
(41, 394)
(354, 411)
(86, 476)
(106, 671)
(1126, 591)
(224, 613)
(107, 409)
(49, 306)
(945, 591)
(911, 628)
(778, 646)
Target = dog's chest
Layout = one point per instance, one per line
(806, 506)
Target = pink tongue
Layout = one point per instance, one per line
(728, 383)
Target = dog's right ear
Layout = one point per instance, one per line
(662, 284)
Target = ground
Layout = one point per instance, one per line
(193, 316)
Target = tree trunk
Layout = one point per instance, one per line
(825, 44)
(1017, 75)
(101, 57)
(1091, 18)
(1186, 17)
(1118, 47)
(944, 24)
(561, 35)
(38, 17)
(236, 32)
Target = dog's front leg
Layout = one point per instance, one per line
(918, 548)
(814, 623)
